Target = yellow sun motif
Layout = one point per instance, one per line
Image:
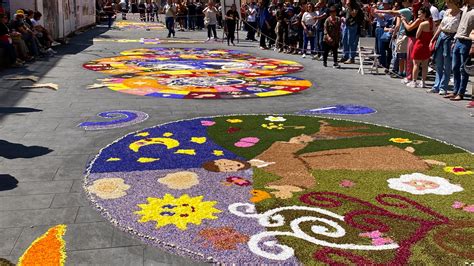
(177, 211)
(400, 140)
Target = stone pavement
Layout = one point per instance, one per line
(49, 191)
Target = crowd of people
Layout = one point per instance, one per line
(410, 36)
(24, 38)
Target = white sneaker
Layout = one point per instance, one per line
(405, 81)
(208, 39)
(50, 50)
(55, 43)
(421, 84)
(442, 92)
(275, 49)
(303, 56)
(413, 84)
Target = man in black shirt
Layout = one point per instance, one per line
(191, 15)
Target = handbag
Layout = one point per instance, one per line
(469, 67)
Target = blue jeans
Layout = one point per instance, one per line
(395, 60)
(350, 40)
(378, 33)
(460, 55)
(443, 61)
(170, 25)
(319, 42)
(311, 40)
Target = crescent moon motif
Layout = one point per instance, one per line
(168, 142)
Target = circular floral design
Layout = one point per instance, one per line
(420, 184)
(310, 190)
(193, 73)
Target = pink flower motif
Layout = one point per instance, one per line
(458, 205)
(346, 183)
(469, 208)
(247, 142)
(382, 241)
(373, 234)
(238, 181)
(207, 123)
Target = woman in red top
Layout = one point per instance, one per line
(421, 49)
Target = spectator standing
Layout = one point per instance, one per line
(281, 28)
(411, 28)
(251, 22)
(381, 20)
(109, 11)
(320, 19)
(210, 20)
(191, 15)
(442, 41)
(142, 10)
(293, 30)
(309, 33)
(462, 46)
(199, 15)
(332, 36)
(123, 9)
(354, 18)
(149, 11)
(264, 25)
(232, 20)
(402, 41)
(170, 14)
(421, 49)
(156, 10)
(435, 15)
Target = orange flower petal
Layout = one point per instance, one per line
(48, 249)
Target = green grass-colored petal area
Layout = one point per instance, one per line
(367, 185)
(251, 126)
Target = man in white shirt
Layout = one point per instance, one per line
(462, 47)
(434, 12)
(170, 14)
(251, 21)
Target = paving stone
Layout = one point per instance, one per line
(69, 200)
(25, 202)
(107, 256)
(33, 174)
(8, 239)
(155, 256)
(89, 236)
(122, 239)
(66, 173)
(87, 214)
(77, 186)
(34, 188)
(36, 217)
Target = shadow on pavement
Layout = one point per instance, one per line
(11, 150)
(7, 182)
(16, 110)
(10, 96)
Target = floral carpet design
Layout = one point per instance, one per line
(116, 119)
(48, 249)
(289, 189)
(195, 73)
(135, 25)
(150, 41)
(340, 109)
